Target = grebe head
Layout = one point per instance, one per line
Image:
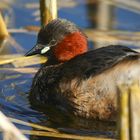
(61, 39)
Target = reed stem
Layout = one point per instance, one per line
(48, 11)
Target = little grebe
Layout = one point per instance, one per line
(77, 81)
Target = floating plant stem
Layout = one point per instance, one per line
(22, 61)
(21, 70)
(62, 135)
(9, 130)
(33, 125)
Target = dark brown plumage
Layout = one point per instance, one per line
(85, 85)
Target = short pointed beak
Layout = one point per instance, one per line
(33, 51)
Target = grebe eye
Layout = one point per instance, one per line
(45, 48)
(53, 42)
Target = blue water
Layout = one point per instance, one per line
(14, 86)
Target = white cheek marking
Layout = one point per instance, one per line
(44, 50)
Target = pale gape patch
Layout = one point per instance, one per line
(44, 50)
